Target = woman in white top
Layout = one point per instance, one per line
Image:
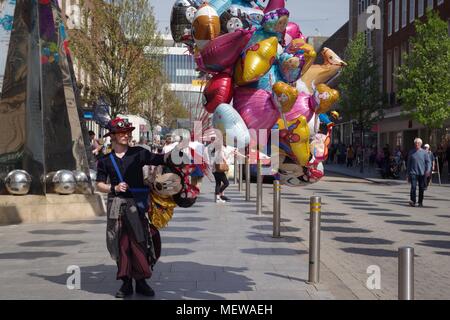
(223, 156)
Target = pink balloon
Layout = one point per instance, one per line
(274, 5)
(223, 51)
(256, 108)
(293, 32)
(304, 106)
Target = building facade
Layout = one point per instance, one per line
(398, 28)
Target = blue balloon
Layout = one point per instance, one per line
(220, 5)
(230, 123)
(325, 119)
(269, 79)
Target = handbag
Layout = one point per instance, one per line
(222, 167)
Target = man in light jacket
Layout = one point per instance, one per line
(418, 168)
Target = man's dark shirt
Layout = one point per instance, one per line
(130, 167)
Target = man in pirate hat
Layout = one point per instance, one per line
(131, 240)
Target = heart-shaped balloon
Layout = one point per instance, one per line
(223, 51)
(256, 108)
(218, 90)
(305, 105)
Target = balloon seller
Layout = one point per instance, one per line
(132, 241)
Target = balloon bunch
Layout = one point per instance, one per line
(262, 76)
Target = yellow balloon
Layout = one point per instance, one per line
(257, 61)
(298, 138)
(327, 96)
(285, 95)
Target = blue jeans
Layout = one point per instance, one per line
(414, 179)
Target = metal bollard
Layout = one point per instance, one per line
(406, 273)
(314, 240)
(247, 180)
(259, 190)
(235, 170)
(276, 208)
(240, 177)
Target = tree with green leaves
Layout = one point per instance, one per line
(424, 79)
(359, 85)
(113, 47)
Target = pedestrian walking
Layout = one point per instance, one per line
(432, 167)
(132, 242)
(418, 167)
(350, 156)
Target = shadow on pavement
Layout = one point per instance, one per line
(363, 240)
(372, 252)
(410, 223)
(51, 243)
(435, 244)
(270, 228)
(334, 221)
(268, 219)
(274, 251)
(166, 239)
(285, 277)
(86, 222)
(393, 215)
(371, 209)
(101, 279)
(428, 232)
(345, 229)
(269, 239)
(334, 214)
(33, 255)
(57, 232)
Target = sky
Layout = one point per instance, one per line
(315, 17)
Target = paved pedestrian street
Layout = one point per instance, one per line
(226, 251)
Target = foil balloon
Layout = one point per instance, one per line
(220, 5)
(293, 32)
(304, 106)
(319, 146)
(233, 19)
(222, 52)
(285, 96)
(206, 25)
(218, 90)
(256, 62)
(324, 72)
(256, 108)
(297, 135)
(181, 19)
(253, 15)
(326, 97)
(276, 22)
(274, 5)
(230, 123)
(291, 66)
(299, 46)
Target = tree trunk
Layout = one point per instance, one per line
(362, 150)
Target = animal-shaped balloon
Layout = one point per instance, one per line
(324, 72)
(230, 123)
(257, 60)
(234, 18)
(181, 19)
(206, 25)
(218, 90)
(285, 96)
(222, 52)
